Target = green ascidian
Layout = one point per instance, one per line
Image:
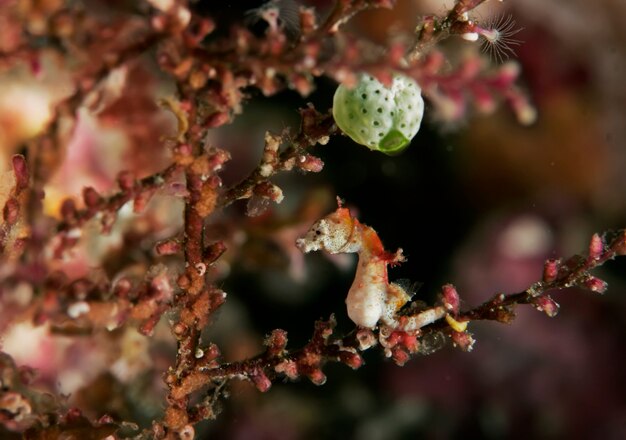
(381, 118)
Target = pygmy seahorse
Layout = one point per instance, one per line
(371, 297)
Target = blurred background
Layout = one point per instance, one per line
(480, 204)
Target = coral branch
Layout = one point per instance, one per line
(575, 271)
(314, 128)
(12, 206)
(140, 191)
(169, 266)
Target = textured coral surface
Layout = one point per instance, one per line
(168, 167)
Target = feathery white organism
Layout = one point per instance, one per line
(498, 36)
(278, 14)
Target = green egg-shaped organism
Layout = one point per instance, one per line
(381, 118)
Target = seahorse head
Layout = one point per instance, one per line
(338, 232)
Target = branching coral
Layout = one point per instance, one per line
(175, 279)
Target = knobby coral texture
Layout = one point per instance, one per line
(182, 184)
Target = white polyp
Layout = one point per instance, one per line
(470, 36)
(162, 5)
(200, 268)
(77, 309)
(527, 115)
(278, 195)
(491, 35)
(266, 170)
(184, 16)
(74, 233)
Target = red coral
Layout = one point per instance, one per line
(120, 223)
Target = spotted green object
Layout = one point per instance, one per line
(381, 118)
